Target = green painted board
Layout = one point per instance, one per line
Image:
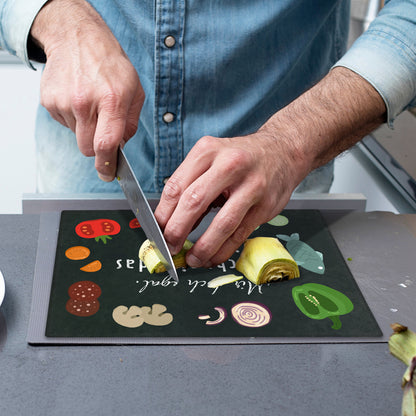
(82, 303)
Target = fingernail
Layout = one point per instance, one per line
(193, 261)
(173, 249)
(105, 178)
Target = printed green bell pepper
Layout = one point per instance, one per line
(318, 301)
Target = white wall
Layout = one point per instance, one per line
(19, 95)
(353, 175)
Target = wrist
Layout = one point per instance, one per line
(289, 136)
(285, 141)
(63, 21)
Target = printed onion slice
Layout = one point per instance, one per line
(251, 314)
(222, 315)
(265, 259)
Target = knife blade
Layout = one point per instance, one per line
(144, 214)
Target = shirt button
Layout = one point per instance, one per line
(170, 41)
(165, 181)
(168, 117)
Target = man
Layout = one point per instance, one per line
(220, 91)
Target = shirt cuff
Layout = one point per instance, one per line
(17, 21)
(388, 65)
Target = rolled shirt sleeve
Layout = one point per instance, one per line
(385, 55)
(16, 19)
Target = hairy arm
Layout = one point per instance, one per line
(331, 117)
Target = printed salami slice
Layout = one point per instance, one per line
(82, 308)
(84, 290)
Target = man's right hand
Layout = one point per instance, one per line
(88, 83)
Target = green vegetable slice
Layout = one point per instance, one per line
(223, 280)
(265, 259)
(153, 263)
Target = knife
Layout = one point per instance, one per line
(141, 209)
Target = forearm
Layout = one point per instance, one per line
(61, 22)
(81, 85)
(329, 118)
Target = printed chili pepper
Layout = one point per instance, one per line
(318, 301)
(100, 229)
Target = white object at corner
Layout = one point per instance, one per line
(2, 288)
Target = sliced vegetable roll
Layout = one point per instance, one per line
(153, 263)
(265, 259)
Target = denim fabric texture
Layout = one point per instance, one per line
(231, 65)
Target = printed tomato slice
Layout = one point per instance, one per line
(100, 229)
(134, 223)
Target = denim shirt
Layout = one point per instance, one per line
(219, 68)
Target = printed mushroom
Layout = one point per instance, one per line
(156, 315)
(128, 317)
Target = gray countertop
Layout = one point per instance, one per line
(282, 379)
